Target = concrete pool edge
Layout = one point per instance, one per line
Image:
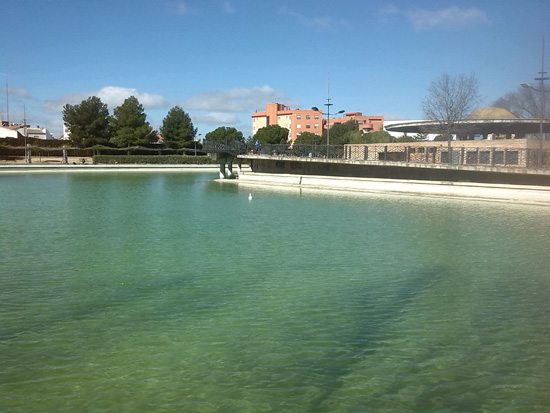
(539, 195)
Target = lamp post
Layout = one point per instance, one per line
(195, 140)
(542, 92)
(328, 105)
(27, 157)
(327, 114)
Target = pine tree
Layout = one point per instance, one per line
(177, 127)
(88, 122)
(130, 124)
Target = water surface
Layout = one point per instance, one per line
(169, 291)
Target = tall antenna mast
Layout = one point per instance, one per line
(7, 102)
(542, 78)
(25, 132)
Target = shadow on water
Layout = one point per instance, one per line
(110, 299)
(374, 316)
(188, 293)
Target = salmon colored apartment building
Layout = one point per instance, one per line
(309, 120)
(365, 123)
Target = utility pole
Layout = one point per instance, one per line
(27, 160)
(542, 92)
(7, 102)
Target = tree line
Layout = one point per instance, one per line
(90, 123)
(340, 134)
(449, 100)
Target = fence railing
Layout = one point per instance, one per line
(306, 151)
(230, 146)
(473, 156)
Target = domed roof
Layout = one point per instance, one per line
(491, 113)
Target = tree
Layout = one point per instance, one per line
(88, 122)
(417, 138)
(130, 125)
(450, 100)
(249, 141)
(341, 133)
(177, 127)
(380, 136)
(525, 102)
(308, 138)
(225, 134)
(272, 134)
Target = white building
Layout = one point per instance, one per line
(66, 132)
(34, 132)
(37, 132)
(6, 132)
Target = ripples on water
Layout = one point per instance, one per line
(172, 292)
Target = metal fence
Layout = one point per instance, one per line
(305, 151)
(229, 146)
(480, 156)
(473, 155)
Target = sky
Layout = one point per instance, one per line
(220, 60)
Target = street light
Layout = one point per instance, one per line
(200, 134)
(328, 105)
(542, 91)
(27, 157)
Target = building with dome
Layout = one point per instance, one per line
(489, 136)
(487, 123)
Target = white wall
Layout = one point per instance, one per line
(7, 133)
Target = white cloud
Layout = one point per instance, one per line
(180, 7)
(228, 7)
(232, 106)
(236, 100)
(113, 96)
(17, 91)
(388, 117)
(323, 22)
(389, 9)
(215, 118)
(220, 107)
(450, 17)
(193, 7)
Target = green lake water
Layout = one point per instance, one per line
(170, 291)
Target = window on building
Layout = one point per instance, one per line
(298, 125)
(316, 126)
(307, 116)
(308, 125)
(471, 157)
(316, 116)
(298, 116)
(484, 157)
(512, 157)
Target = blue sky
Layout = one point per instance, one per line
(222, 59)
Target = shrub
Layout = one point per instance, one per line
(151, 159)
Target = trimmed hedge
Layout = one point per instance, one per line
(151, 159)
(44, 143)
(10, 151)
